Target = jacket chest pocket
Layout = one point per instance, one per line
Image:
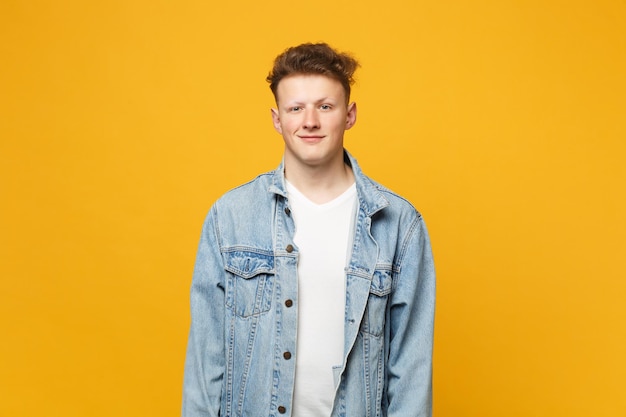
(250, 282)
(375, 311)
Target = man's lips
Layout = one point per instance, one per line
(311, 138)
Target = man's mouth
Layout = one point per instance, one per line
(311, 138)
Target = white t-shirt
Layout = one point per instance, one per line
(323, 236)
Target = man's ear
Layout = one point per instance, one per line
(351, 116)
(276, 121)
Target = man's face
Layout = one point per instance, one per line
(312, 116)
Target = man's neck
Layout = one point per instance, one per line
(320, 184)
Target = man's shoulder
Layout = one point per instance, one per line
(254, 190)
(375, 196)
(396, 202)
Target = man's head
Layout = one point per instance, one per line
(313, 59)
(311, 84)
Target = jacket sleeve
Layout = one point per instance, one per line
(205, 361)
(409, 370)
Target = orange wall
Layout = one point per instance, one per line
(504, 122)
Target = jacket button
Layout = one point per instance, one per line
(287, 211)
(281, 409)
(289, 248)
(287, 355)
(288, 303)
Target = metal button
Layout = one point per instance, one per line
(288, 303)
(287, 211)
(287, 355)
(289, 248)
(281, 409)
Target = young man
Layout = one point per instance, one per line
(313, 292)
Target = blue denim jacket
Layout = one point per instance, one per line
(244, 295)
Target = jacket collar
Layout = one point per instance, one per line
(371, 199)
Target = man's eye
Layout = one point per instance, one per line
(325, 107)
(295, 108)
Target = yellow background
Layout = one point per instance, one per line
(503, 121)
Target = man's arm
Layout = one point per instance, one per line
(204, 365)
(409, 376)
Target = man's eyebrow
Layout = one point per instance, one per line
(326, 99)
(319, 100)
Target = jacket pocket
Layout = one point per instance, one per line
(250, 282)
(375, 311)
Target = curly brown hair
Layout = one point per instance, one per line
(313, 58)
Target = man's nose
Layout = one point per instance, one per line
(311, 119)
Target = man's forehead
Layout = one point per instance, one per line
(309, 87)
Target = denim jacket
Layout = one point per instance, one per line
(244, 296)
